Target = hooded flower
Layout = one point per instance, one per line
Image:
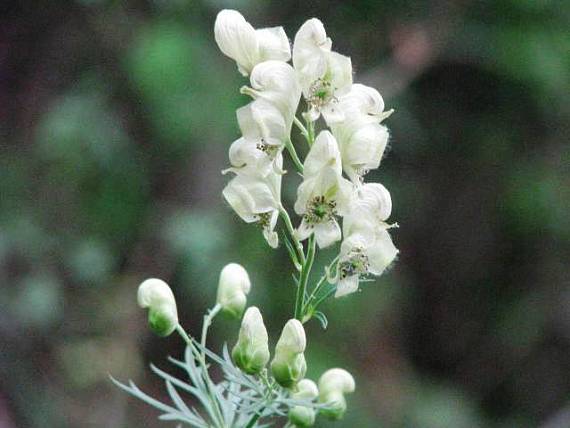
(361, 138)
(155, 295)
(233, 288)
(288, 365)
(324, 75)
(367, 248)
(324, 193)
(303, 416)
(333, 385)
(247, 46)
(251, 352)
(257, 198)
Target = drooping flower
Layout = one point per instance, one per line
(251, 352)
(362, 139)
(247, 46)
(324, 75)
(257, 198)
(233, 288)
(304, 416)
(333, 385)
(324, 193)
(155, 295)
(288, 365)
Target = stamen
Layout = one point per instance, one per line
(319, 210)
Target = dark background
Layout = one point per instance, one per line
(115, 120)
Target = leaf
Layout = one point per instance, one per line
(322, 319)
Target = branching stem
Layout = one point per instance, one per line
(305, 271)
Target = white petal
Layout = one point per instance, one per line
(382, 253)
(340, 69)
(376, 199)
(237, 39)
(327, 233)
(304, 193)
(273, 44)
(240, 200)
(310, 50)
(324, 152)
(346, 286)
(261, 120)
(367, 145)
(362, 100)
(304, 230)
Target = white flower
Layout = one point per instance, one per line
(362, 139)
(251, 352)
(233, 288)
(288, 365)
(362, 254)
(157, 296)
(303, 416)
(264, 134)
(370, 206)
(257, 199)
(324, 193)
(277, 83)
(333, 385)
(238, 40)
(324, 75)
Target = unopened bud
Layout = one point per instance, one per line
(233, 287)
(157, 296)
(333, 384)
(288, 365)
(251, 352)
(303, 416)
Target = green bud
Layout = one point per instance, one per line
(233, 287)
(289, 365)
(333, 384)
(302, 416)
(251, 352)
(157, 296)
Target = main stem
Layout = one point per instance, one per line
(207, 322)
(305, 271)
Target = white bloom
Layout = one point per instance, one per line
(324, 75)
(333, 385)
(157, 296)
(233, 288)
(238, 40)
(257, 199)
(288, 365)
(362, 254)
(324, 193)
(362, 139)
(303, 416)
(251, 352)
(370, 206)
(277, 83)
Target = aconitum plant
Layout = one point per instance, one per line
(334, 204)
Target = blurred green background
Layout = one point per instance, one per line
(115, 120)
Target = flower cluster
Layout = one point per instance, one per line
(334, 204)
(333, 171)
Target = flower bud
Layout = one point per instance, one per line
(302, 416)
(251, 352)
(333, 384)
(157, 296)
(233, 287)
(288, 365)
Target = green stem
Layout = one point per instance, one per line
(305, 271)
(301, 127)
(207, 322)
(310, 133)
(291, 149)
(323, 297)
(254, 419)
(298, 246)
(319, 284)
